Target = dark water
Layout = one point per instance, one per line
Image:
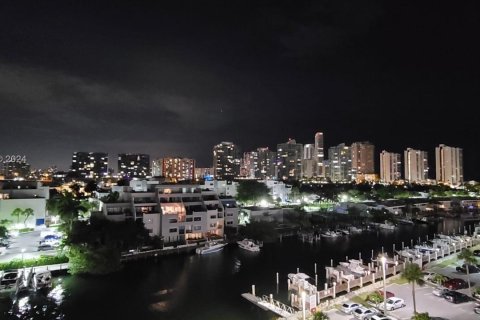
(204, 287)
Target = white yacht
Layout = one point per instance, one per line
(330, 234)
(249, 245)
(211, 247)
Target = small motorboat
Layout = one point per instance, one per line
(249, 245)
(211, 247)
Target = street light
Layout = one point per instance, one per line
(384, 261)
(303, 304)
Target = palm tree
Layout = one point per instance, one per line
(413, 274)
(27, 213)
(67, 206)
(469, 259)
(17, 213)
(320, 316)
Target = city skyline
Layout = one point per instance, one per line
(161, 80)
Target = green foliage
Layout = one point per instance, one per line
(94, 247)
(96, 261)
(380, 216)
(252, 191)
(421, 316)
(40, 261)
(27, 213)
(439, 279)
(320, 316)
(112, 197)
(468, 259)
(260, 230)
(67, 206)
(413, 274)
(23, 230)
(17, 212)
(375, 297)
(3, 231)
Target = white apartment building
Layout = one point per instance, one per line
(416, 165)
(449, 164)
(390, 165)
(176, 212)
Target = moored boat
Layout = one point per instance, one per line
(211, 247)
(248, 245)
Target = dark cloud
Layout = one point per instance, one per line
(176, 78)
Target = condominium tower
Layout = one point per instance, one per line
(226, 161)
(416, 165)
(449, 164)
(390, 164)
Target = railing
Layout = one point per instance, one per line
(284, 309)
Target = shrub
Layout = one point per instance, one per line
(27, 263)
(421, 316)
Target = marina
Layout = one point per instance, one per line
(143, 286)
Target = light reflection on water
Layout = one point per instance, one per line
(185, 287)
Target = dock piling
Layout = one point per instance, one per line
(253, 289)
(315, 267)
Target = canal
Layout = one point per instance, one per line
(205, 287)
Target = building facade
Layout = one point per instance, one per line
(266, 163)
(319, 155)
(363, 163)
(449, 165)
(90, 165)
(289, 160)
(226, 161)
(309, 161)
(340, 163)
(174, 168)
(175, 212)
(416, 166)
(134, 165)
(390, 166)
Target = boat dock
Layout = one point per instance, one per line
(270, 304)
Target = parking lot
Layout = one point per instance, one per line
(28, 242)
(426, 301)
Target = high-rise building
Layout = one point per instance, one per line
(289, 160)
(319, 155)
(340, 160)
(90, 165)
(266, 163)
(249, 166)
(226, 161)
(309, 161)
(390, 166)
(133, 165)
(174, 168)
(449, 164)
(416, 165)
(363, 162)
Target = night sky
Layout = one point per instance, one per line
(175, 78)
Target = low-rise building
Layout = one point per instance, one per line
(24, 195)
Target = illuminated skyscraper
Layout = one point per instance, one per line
(289, 160)
(133, 165)
(340, 160)
(362, 159)
(226, 161)
(390, 166)
(309, 161)
(90, 165)
(174, 168)
(449, 164)
(319, 155)
(416, 165)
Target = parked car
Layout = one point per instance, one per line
(392, 304)
(387, 293)
(381, 317)
(476, 253)
(439, 291)
(363, 313)
(45, 247)
(471, 269)
(456, 297)
(428, 276)
(348, 307)
(455, 284)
